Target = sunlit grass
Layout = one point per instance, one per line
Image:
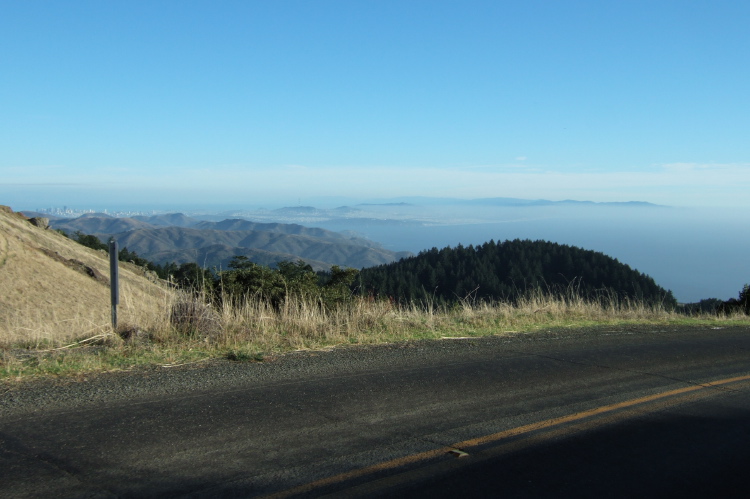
(252, 330)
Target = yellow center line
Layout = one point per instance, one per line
(592, 412)
(423, 456)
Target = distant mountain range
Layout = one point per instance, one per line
(499, 201)
(400, 212)
(181, 239)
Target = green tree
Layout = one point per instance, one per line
(337, 284)
(734, 305)
(250, 280)
(504, 271)
(240, 262)
(299, 277)
(124, 255)
(90, 241)
(193, 277)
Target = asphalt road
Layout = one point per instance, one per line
(618, 412)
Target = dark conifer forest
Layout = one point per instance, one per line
(507, 270)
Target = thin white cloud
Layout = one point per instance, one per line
(680, 184)
(28, 169)
(703, 167)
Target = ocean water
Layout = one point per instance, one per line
(696, 253)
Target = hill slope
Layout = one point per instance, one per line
(98, 224)
(178, 219)
(52, 287)
(213, 244)
(181, 245)
(498, 271)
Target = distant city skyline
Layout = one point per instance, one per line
(253, 103)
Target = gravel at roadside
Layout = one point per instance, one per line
(29, 397)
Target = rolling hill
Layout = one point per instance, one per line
(506, 270)
(214, 244)
(98, 224)
(168, 220)
(52, 287)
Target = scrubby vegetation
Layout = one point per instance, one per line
(705, 306)
(192, 329)
(740, 305)
(245, 278)
(249, 312)
(490, 272)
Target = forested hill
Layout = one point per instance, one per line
(504, 271)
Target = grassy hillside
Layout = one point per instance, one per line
(53, 289)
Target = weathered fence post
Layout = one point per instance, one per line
(114, 284)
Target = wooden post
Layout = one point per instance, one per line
(114, 278)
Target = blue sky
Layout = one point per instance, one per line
(252, 102)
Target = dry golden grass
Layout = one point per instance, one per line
(45, 300)
(251, 330)
(302, 324)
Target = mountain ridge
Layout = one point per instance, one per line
(214, 244)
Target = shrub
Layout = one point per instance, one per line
(737, 305)
(192, 317)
